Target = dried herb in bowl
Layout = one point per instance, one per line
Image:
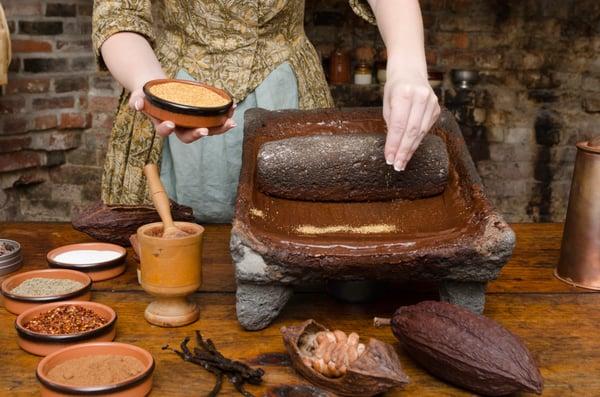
(66, 320)
(42, 286)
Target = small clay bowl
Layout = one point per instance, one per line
(98, 271)
(12, 260)
(44, 344)
(139, 385)
(184, 115)
(17, 304)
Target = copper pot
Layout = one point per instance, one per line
(579, 263)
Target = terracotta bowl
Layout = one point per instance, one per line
(98, 271)
(43, 345)
(17, 304)
(139, 385)
(184, 115)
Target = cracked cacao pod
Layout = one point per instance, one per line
(115, 223)
(376, 370)
(466, 349)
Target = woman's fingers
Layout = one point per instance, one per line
(400, 105)
(136, 100)
(164, 128)
(429, 118)
(413, 132)
(190, 135)
(229, 124)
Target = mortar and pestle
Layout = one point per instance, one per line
(170, 258)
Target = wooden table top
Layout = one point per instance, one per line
(558, 323)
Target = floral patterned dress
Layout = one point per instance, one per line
(230, 44)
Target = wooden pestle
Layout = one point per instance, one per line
(161, 202)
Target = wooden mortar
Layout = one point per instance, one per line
(170, 271)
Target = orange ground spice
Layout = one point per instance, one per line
(188, 94)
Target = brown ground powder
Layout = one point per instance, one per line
(366, 229)
(99, 370)
(187, 94)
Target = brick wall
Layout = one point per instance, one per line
(540, 80)
(55, 113)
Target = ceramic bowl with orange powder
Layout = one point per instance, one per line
(188, 104)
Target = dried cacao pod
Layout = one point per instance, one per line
(376, 370)
(466, 349)
(115, 223)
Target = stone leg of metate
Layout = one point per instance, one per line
(466, 294)
(257, 305)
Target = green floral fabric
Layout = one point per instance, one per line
(230, 44)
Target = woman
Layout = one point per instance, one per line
(258, 52)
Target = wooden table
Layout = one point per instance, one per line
(559, 323)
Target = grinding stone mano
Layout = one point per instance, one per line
(349, 167)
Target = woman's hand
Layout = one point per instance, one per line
(165, 128)
(410, 108)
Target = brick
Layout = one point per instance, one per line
(45, 210)
(14, 125)
(46, 28)
(53, 103)
(11, 105)
(15, 65)
(14, 143)
(591, 104)
(104, 82)
(84, 9)
(103, 103)
(75, 120)
(45, 122)
(55, 140)
(61, 10)
(451, 39)
(71, 84)
(82, 156)
(15, 9)
(81, 27)
(76, 174)
(44, 65)
(83, 63)
(519, 135)
(504, 152)
(66, 192)
(73, 45)
(55, 158)
(15, 86)
(83, 101)
(103, 120)
(21, 160)
(26, 46)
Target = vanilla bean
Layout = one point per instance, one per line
(206, 355)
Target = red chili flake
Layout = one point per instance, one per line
(65, 320)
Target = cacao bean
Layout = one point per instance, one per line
(466, 349)
(375, 369)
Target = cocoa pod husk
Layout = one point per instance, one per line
(375, 371)
(115, 223)
(466, 349)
